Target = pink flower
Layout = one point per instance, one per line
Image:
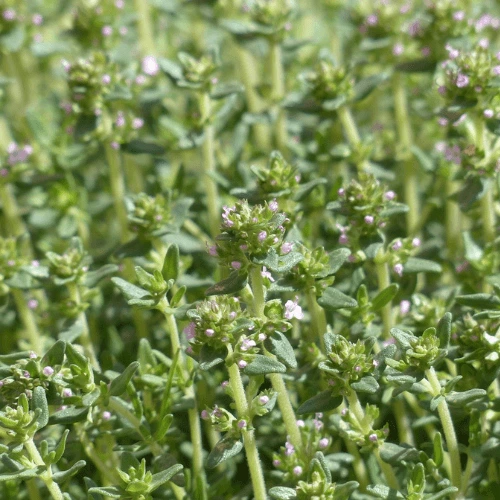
(150, 65)
(398, 269)
(286, 247)
(266, 274)
(293, 310)
(242, 363)
(235, 264)
(190, 331)
(463, 80)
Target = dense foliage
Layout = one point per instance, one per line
(249, 249)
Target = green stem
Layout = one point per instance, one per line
(285, 406)
(453, 218)
(144, 27)
(117, 406)
(384, 280)
(32, 334)
(208, 151)
(448, 428)
(133, 174)
(108, 474)
(193, 413)
(351, 131)
(358, 412)
(278, 93)
(85, 340)
(45, 476)
(252, 453)
(33, 490)
(318, 319)
(246, 66)
(117, 184)
(410, 180)
(358, 465)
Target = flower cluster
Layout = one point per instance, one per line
(88, 82)
(15, 161)
(292, 463)
(215, 322)
(363, 433)
(249, 232)
(365, 205)
(273, 14)
(278, 178)
(329, 81)
(346, 363)
(70, 266)
(148, 214)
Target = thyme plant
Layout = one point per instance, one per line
(249, 249)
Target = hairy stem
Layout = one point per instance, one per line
(208, 151)
(45, 476)
(246, 67)
(252, 453)
(32, 334)
(287, 413)
(278, 93)
(144, 27)
(86, 341)
(193, 414)
(448, 428)
(410, 178)
(384, 280)
(357, 410)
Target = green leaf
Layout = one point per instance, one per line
(40, 403)
(61, 446)
(119, 384)
(226, 448)
(279, 263)
(473, 189)
(443, 330)
(416, 265)
(324, 401)
(393, 453)
(13, 40)
(107, 491)
(163, 427)
(69, 415)
(261, 365)
(170, 269)
(462, 399)
(234, 283)
(438, 454)
(279, 345)
(210, 357)
(164, 476)
(93, 277)
(367, 385)
(384, 297)
(479, 301)
(473, 252)
(381, 491)
(336, 259)
(363, 88)
(60, 477)
(333, 299)
(223, 90)
(130, 291)
(85, 124)
(282, 493)
(22, 474)
(134, 248)
(402, 338)
(55, 355)
(334, 104)
(424, 65)
(426, 162)
(446, 493)
(171, 68)
(138, 147)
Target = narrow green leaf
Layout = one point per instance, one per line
(443, 330)
(164, 476)
(333, 299)
(60, 477)
(40, 403)
(324, 401)
(416, 265)
(384, 297)
(210, 357)
(261, 365)
(226, 448)
(279, 345)
(55, 355)
(438, 454)
(282, 493)
(170, 269)
(119, 384)
(234, 283)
